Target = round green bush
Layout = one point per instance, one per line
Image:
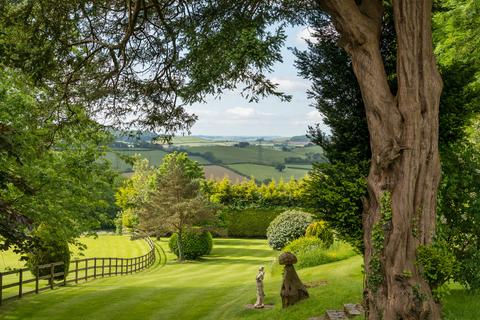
(288, 226)
(49, 252)
(320, 230)
(195, 243)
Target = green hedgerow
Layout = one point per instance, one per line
(320, 230)
(195, 243)
(288, 226)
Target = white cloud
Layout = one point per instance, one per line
(244, 113)
(314, 116)
(291, 84)
(305, 34)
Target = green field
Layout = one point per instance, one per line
(245, 161)
(261, 172)
(154, 157)
(216, 287)
(251, 154)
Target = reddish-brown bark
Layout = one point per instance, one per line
(404, 142)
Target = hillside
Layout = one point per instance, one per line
(236, 159)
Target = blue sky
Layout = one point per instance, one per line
(232, 115)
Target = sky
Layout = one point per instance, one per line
(233, 115)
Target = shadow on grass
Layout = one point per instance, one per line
(237, 242)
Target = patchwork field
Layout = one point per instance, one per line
(218, 173)
(262, 172)
(256, 161)
(255, 154)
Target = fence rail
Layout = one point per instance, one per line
(83, 270)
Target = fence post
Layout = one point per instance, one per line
(65, 274)
(103, 267)
(37, 278)
(1, 288)
(86, 269)
(95, 268)
(121, 266)
(116, 266)
(20, 282)
(110, 267)
(76, 271)
(52, 271)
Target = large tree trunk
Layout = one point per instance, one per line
(399, 215)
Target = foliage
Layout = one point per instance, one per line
(134, 192)
(459, 210)
(51, 170)
(286, 227)
(280, 167)
(250, 222)
(248, 194)
(49, 251)
(195, 244)
(311, 251)
(176, 203)
(438, 266)
(456, 25)
(192, 169)
(90, 52)
(322, 231)
(334, 192)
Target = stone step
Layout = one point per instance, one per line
(335, 315)
(353, 310)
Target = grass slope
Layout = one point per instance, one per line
(215, 288)
(105, 245)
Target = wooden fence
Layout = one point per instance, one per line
(19, 282)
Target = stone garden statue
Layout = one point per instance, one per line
(260, 293)
(293, 289)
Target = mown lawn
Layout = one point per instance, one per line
(218, 287)
(105, 245)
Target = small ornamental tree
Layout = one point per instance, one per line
(175, 205)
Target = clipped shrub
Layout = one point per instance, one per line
(249, 223)
(195, 243)
(49, 252)
(311, 251)
(288, 226)
(320, 230)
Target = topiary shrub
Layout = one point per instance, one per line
(288, 226)
(320, 230)
(195, 243)
(50, 251)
